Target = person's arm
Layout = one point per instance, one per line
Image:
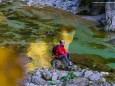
(65, 52)
(56, 53)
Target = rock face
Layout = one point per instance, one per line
(110, 16)
(74, 6)
(69, 5)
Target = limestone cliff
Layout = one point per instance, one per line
(110, 16)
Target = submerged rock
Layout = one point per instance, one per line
(112, 41)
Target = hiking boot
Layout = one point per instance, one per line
(70, 63)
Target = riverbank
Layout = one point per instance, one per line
(57, 77)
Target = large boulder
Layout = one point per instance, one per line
(38, 81)
(59, 64)
(63, 65)
(47, 75)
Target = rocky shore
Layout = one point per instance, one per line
(61, 76)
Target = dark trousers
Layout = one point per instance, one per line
(60, 57)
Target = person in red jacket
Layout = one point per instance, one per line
(62, 53)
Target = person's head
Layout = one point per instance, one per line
(62, 42)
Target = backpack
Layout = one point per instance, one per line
(54, 49)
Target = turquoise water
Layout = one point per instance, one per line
(82, 39)
(111, 65)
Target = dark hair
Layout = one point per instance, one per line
(60, 41)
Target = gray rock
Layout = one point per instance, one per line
(38, 73)
(88, 74)
(47, 75)
(30, 84)
(106, 84)
(95, 77)
(28, 79)
(62, 73)
(71, 85)
(79, 74)
(55, 75)
(38, 81)
(59, 64)
(113, 85)
(78, 81)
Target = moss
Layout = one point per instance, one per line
(100, 34)
(111, 60)
(93, 29)
(110, 77)
(97, 46)
(25, 31)
(45, 20)
(94, 62)
(67, 28)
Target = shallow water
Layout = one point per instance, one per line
(85, 43)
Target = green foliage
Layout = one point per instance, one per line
(68, 77)
(97, 46)
(52, 82)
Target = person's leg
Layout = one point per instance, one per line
(68, 57)
(60, 57)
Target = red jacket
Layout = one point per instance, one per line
(60, 51)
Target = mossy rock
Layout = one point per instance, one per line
(97, 46)
(110, 77)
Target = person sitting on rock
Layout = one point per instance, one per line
(60, 52)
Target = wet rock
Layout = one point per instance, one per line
(38, 81)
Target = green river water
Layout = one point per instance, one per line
(87, 39)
